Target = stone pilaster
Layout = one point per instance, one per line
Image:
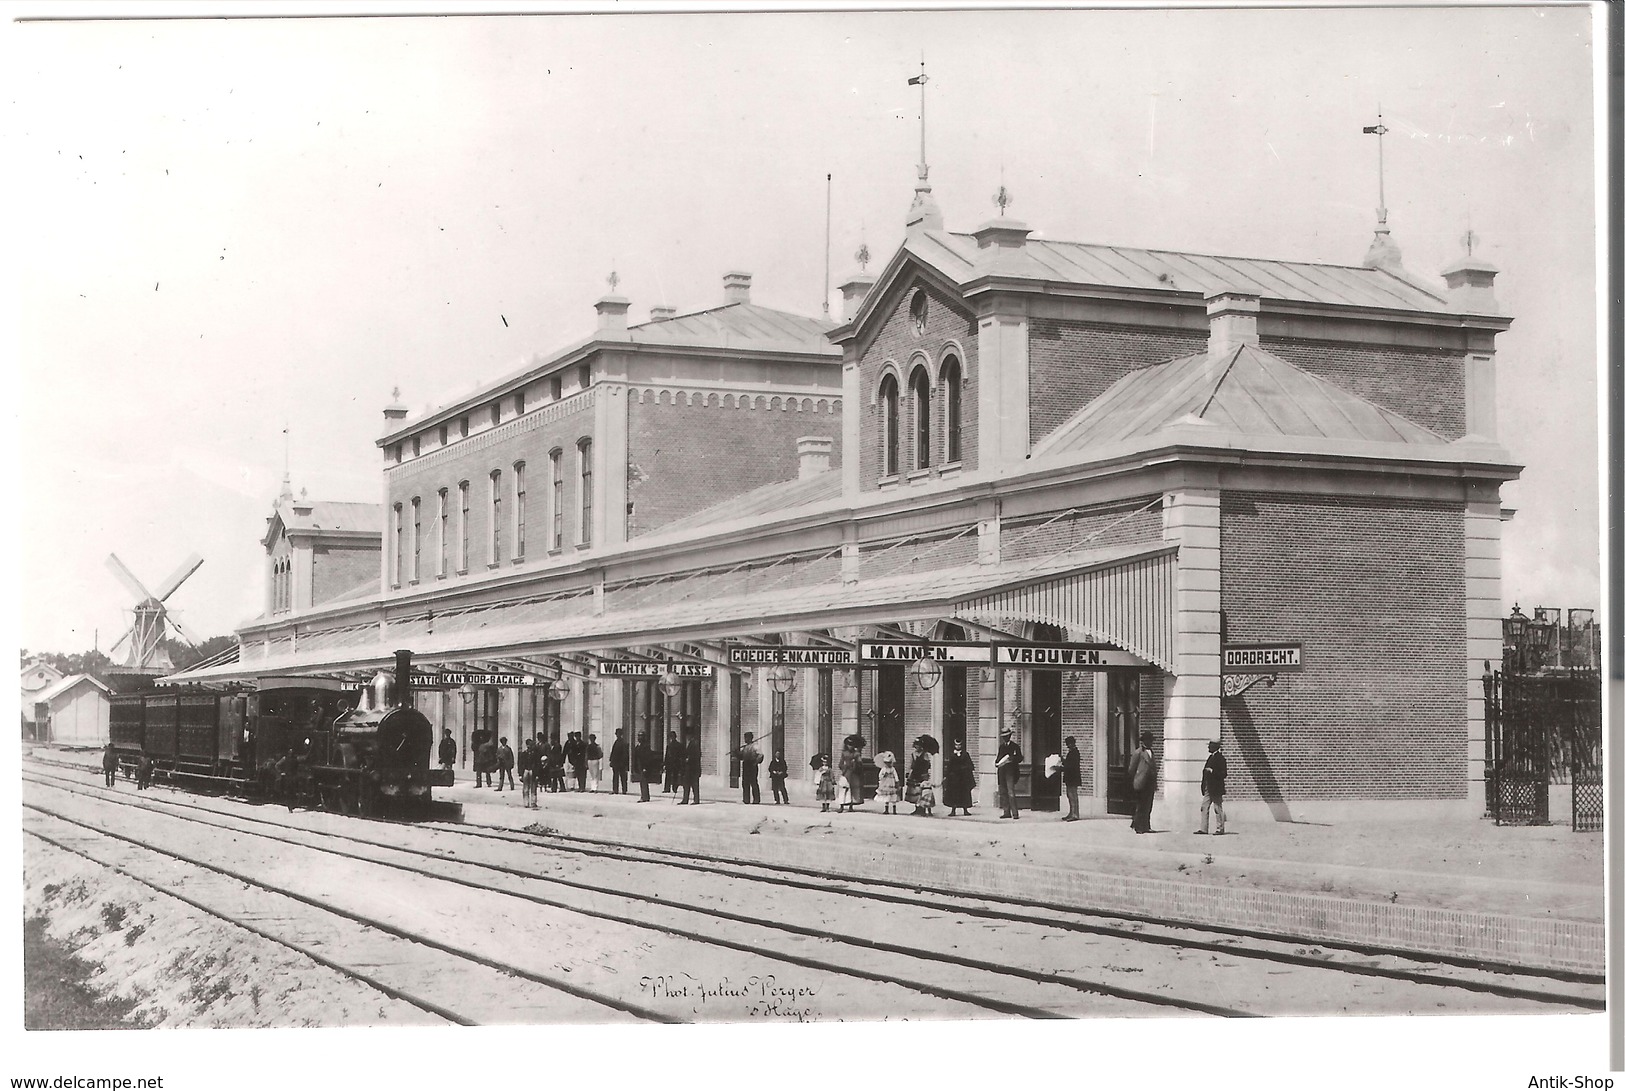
(1191, 719)
(1002, 410)
(1483, 578)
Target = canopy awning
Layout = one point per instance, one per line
(1122, 595)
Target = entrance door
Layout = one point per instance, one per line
(1046, 740)
(1122, 735)
(953, 706)
(890, 696)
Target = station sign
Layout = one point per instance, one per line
(1064, 657)
(755, 655)
(637, 668)
(453, 679)
(897, 651)
(1261, 659)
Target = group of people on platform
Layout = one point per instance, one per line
(553, 766)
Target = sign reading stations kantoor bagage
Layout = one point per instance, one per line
(428, 680)
(1261, 659)
(1075, 657)
(637, 668)
(757, 655)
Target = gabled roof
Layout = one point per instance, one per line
(69, 683)
(1243, 390)
(38, 663)
(773, 499)
(325, 516)
(957, 256)
(739, 325)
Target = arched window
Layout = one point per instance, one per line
(919, 390)
(888, 426)
(395, 554)
(950, 410)
(584, 459)
(555, 463)
(518, 511)
(445, 510)
(496, 517)
(417, 538)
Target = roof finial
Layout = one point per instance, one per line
(612, 280)
(1383, 252)
(1469, 240)
(923, 213)
(1002, 198)
(1379, 130)
(862, 256)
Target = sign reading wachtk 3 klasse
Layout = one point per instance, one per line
(640, 668)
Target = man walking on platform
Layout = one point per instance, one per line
(595, 763)
(689, 758)
(109, 764)
(750, 761)
(617, 763)
(1213, 774)
(1142, 778)
(1008, 765)
(645, 765)
(504, 765)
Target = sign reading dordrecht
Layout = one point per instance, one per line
(1262, 659)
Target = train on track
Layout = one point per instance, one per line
(310, 741)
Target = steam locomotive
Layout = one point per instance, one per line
(305, 740)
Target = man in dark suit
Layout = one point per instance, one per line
(645, 765)
(750, 762)
(617, 763)
(1142, 778)
(1213, 773)
(690, 759)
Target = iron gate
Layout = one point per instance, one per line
(1541, 729)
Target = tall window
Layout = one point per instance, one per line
(518, 510)
(495, 548)
(919, 389)
(950, 410)
(888, 426)
(496, 413)
(462, 427)
(462, 526)
(584, 455)
(440, 566)
(826, 710)
(395, 554)
(555, 387)
(445, 435)
(584, 376)
(417, 539)
(519, 403)
(555, 463)
(417, 446)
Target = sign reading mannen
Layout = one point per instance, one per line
(1261, 659)
(633, 668)
(756, 655)
(892, 651)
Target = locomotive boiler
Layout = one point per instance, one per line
(384, 747)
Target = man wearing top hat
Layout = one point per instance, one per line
(1008, 765)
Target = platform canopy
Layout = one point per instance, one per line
(1121, 595)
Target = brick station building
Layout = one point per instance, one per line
(1096, 489)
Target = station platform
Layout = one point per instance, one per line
(1523, 895)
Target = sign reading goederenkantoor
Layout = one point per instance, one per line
(785, 655)
(1262, 659)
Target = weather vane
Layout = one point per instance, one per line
(862, 256)
(1469, 240)
(1003, 199)
(613, 279)
(1379, 130)
(395, 394)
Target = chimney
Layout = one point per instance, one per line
(612, 313)
(662, 313)
(1470, 285)
(735, 288)
(853, 293)
(394, 411)
(403, 679)
(813, 452)
(1010, 234)
(1232, 319)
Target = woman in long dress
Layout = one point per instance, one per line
(958, 779)
(851, 793)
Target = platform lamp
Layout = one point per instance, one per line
(669, 684)
(1517, 631)
(927, 673)
(467, 692)
(558, 689)
(782, 678)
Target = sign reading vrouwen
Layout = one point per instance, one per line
(1064, 657)
(1262, 659)
(637, 668)
(756, 655)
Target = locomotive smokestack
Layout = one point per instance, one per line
(403, 678)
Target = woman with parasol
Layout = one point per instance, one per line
(919, 790)
(851, 774)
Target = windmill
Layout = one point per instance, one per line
(145, 636)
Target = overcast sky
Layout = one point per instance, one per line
(232, 227)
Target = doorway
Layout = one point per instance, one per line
(1122, 736)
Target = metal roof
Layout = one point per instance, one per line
(772, 499)
(1243, 390)
(331, 515)
(957, 255)
(739, 325)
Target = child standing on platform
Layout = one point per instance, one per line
(890, 789)
(824, 784)
(777, 771)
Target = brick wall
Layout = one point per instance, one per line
(1078, 722)
(339, 569)
(1070, 363)
(1426, 386)
(686, 451)
(527, 439)
(1374, 588)
(946, 319)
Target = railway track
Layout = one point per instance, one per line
(800, 909)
